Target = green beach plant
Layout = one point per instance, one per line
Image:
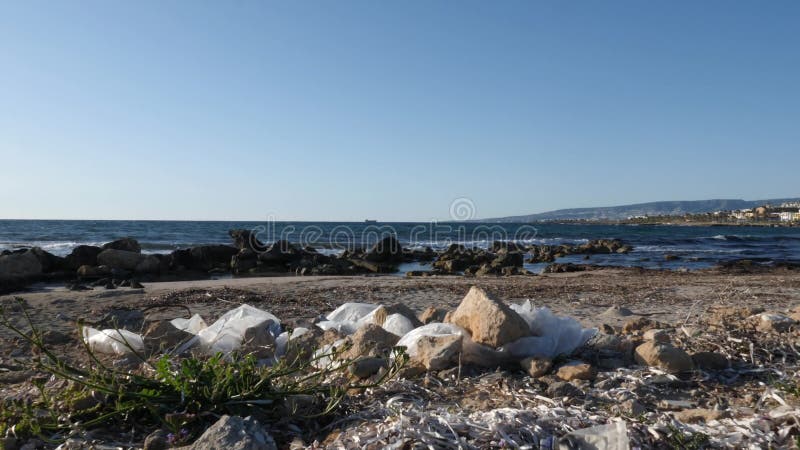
(182, 394)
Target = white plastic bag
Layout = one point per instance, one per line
(192, 325)
(282, 341)
(351, 312)
(398, 324)
(113, 342)
(613, 436)
(411, 339)
(552, 335)
(226, 334)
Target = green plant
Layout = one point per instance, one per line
(181, 394)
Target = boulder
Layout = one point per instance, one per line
(126, 244)
(663, 356)
(506, 258)
(235, 433)
(86, 271)
(20, 266)
(148, 264)
(208, 257)
(438, 352)
(120, 259)
(279, 253)
(489, 321)
(370, 340)
(387, 250)
(243, 261)
(246, 239)
(82, 255)
(710, 361)
(536, 367)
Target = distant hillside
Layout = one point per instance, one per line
(641, 209)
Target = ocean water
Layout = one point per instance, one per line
(696, 246)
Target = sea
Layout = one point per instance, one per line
(695, 247)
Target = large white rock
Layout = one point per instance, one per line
(489, 321)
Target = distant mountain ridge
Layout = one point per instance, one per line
(641, 209)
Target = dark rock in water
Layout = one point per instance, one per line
(203, 258)
(507, 246)
(279, 253)
(126, 244)
(506, 258)
(569, 267)
(120, 259)
(89, 272)
(134, 284)
(246, 239)
(374, 267)
(670, 257)
(49, 261)
(244, 261)
(20, 266)
(82, 255)
(387, 250)
(124, 283)
(78, 287)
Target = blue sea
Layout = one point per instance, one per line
(696, 246)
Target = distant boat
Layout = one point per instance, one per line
(370, 221)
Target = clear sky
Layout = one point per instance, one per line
(340, 110)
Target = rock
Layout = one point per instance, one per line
(384, 311)
(657, 335)
(370, 340)
(641, 324)
(157, 440)
(489, 321)
(162, 335)
(576, 371)
(302, 347)
(561, 389)
(663, 356)
(149, 264)
(710, 361)
(235, 433)
(258, 341)
(125, 244)
(536, 367)
(244, 261)
(246, 239)
(774, 323)
(616, 311)
(134, 284)
(700, 414)
(85, 271)
(432, 314)
(55, 337)
(670, 257)
(438, 352)
(387, 250)
(20, 266)
(505, 259)
(120, 259)
(82, 255)
(367, 367)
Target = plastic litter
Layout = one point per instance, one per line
(349, 317)
(552, 335)
(398, 324)
(226, 334)
(613, 436)
(112, 341)
(191, 325)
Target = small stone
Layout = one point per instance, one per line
(367, 367)
(432, 314)
(774, 323)
(156, 440)
(632, 408)
(663, 356)
(235, 433)
(576, 371)
(674, 405)
(561, 389)
(657, 335)
(640, 324)
(700, 414)
(536, 367)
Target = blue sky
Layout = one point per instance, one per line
(350, 110)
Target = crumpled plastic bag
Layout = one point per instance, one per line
(226, 334)
(282, 341)
(398, 324)
(113, 342)
(191, 325)
(552, 335)
(349, 317)
(613, 436)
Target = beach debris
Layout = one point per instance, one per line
(235, 433)
(774, 323)
(657, 335)
(432, 314)
(191, 325)
(576, 370)
(613, 436)
(664, 356)
(551, 335)
(489, 321)
(162, 335)
(228, 333)
(113, 341)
